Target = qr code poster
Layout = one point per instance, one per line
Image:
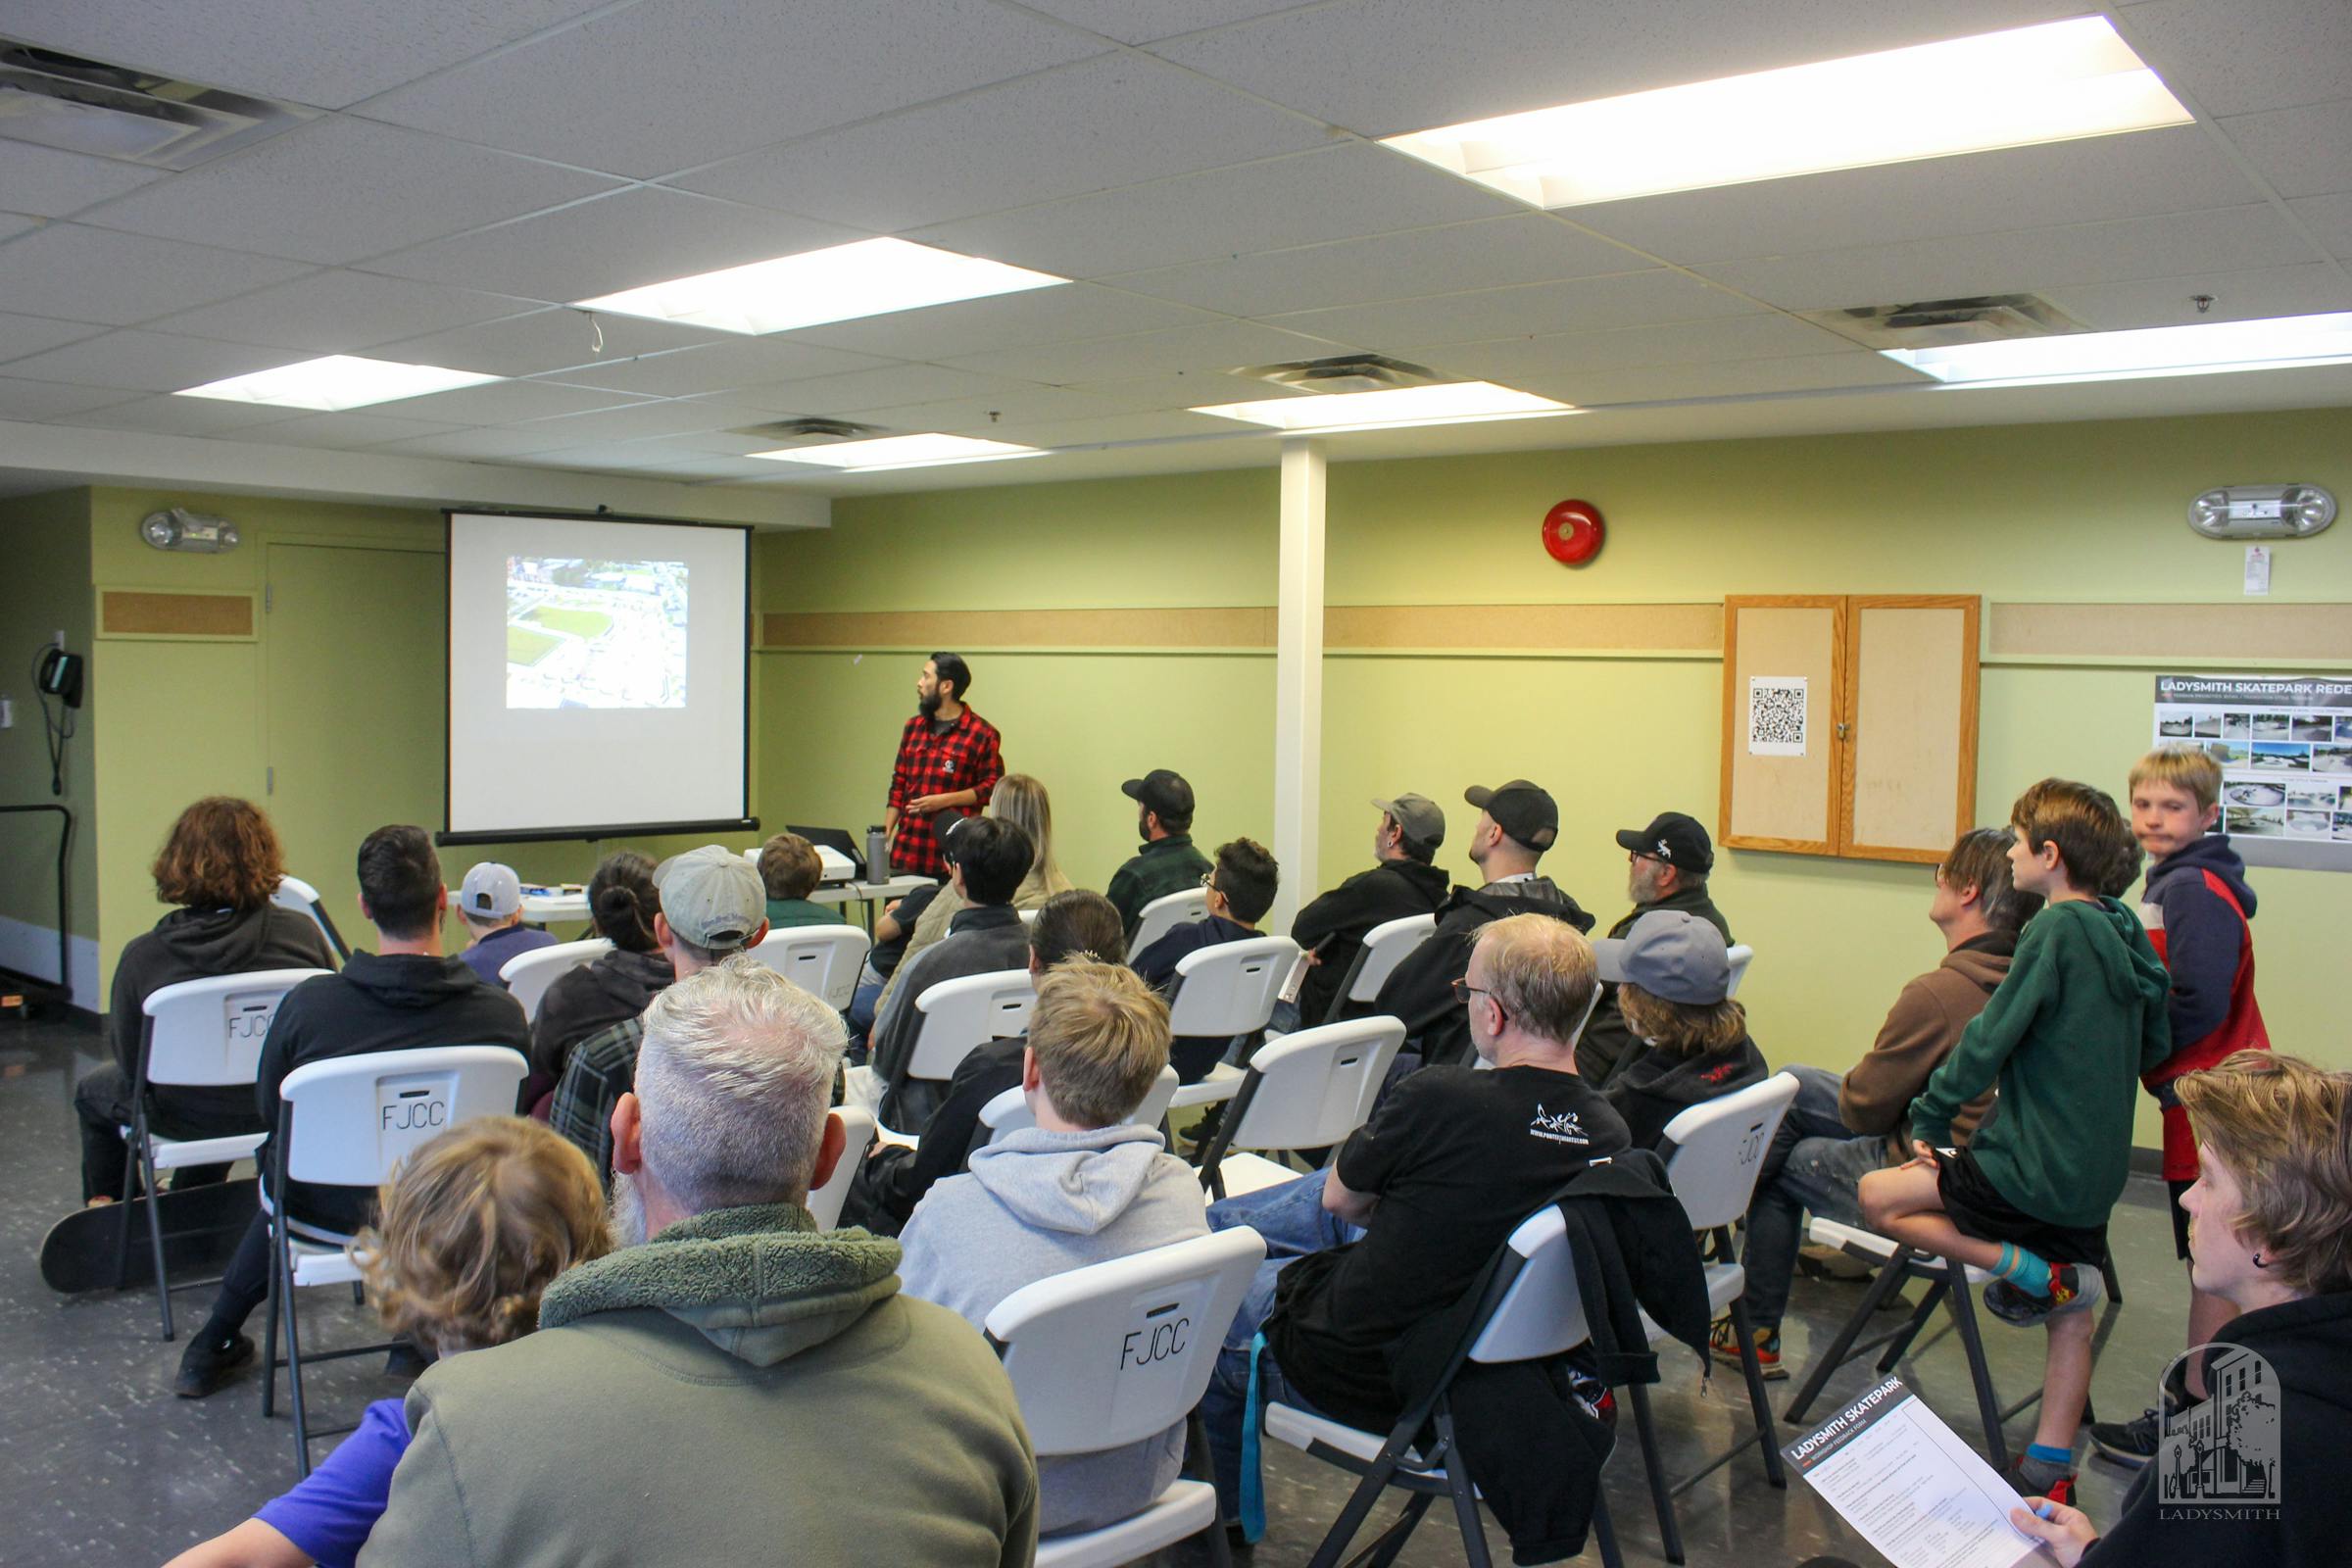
(1776, 715)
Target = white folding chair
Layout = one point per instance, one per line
(1714, 1153)
(1228, 993)
(528, 974)
(821, 960)
(1530, 1310)
(1738, 954)
(1029, 916)
(293, 893)
(349, 1121)
(1307, 1090)
(1115, 1353)
(1386, 945)
(958, 1017)
(1008, 1112)
(1164, 914)
(194, 1034)
(857, 1132)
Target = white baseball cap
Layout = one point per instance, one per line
(491, 891)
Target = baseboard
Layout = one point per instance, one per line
(31, 950)
(2147, 1161)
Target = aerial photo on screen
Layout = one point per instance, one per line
(586, 633)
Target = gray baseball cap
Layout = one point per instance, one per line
(1418, 815)
(711, 897)
(491, 891)
(1669, 954)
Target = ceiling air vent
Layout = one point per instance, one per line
(810, 432)
(1347, 372)
(1947, 323)
(85, 106)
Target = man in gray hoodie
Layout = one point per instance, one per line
(1081, 1187)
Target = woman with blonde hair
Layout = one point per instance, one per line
(473, 1226)
(1020, 800)
(1674, 977)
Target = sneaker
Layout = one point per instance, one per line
(1724, 1339)
(2072, 1288)
(206, 1364)
(2129, 1444)
(2058, 1489)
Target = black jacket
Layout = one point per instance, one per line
(1340, 918)
(591, 999)
(1421, 990)
(1606, 1042)
(378, 1002)
(197, 945)
(890, 1183)
(1653, 1087)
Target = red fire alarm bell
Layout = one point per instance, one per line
(1572, 532)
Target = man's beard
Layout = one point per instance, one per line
(929, 705)
(624, 1217)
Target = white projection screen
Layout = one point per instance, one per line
(597, 677)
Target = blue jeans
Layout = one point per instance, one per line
(1295, 1223)
(1815, 1165)
(860, 1015)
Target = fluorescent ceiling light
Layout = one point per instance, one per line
(870, 277)
(902, 451)
(336, 382)
(1455, 403)
(2054, 82)
(2206, 348)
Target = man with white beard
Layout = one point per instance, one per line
(768, 1370)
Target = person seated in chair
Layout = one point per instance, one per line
(790, 870)
(220, 865)
(407, 995)
(490, 903)
(1166, 863)
(1666, 869)
(1241, 890)
(1672, 983)
(614, 986)
(1404, 880)
(1083, 1186)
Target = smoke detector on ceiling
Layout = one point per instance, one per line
(1347, 373)
(87, 106)
(1948, 323)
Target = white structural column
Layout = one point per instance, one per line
(1299, 679)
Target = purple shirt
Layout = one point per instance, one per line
(329, 1513)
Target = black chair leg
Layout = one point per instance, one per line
(1654, 1467)
(269, 1312)
(130, 1177)
(1605, 1530)
(1465, 1497)
(301, 1421)
(1767, 1435)
(1384, 1548)
(1900, 1345)
(1360, 1507)
(2113, 1280)
(155, 1237)
(1980, 1373)
(1890, 1280)
(1197, 1466)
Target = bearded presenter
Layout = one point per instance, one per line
(949, 759)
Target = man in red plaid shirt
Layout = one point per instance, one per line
(949, 759)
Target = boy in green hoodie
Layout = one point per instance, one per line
(2079, 1016)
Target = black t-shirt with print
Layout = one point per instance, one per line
(1458, 1158)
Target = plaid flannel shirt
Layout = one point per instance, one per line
(602, 1069)
(967, 758)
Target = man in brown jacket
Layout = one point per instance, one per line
(1839, 1129)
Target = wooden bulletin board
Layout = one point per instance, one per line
(1883, 764)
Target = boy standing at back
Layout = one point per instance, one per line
(2080, 1015)
(2201, 904)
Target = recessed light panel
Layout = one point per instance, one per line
(870, 277)
(2057, 81)
(929, 450)
(2206, 348)
(1453, 402)
(336, 382)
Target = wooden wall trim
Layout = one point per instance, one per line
(1680, 628)
(2174, 633)
(124, 612)
(1630, 627)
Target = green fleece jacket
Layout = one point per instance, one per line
(2078, 1017)
(743, 1389)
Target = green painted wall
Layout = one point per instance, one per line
(2060, 512)
(44, 588)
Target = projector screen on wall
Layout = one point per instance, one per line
(597, 677)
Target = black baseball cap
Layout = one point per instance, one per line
(1524, 810)
(1163, 792)
(1673, 838)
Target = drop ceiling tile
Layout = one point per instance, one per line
(171, 415)
(471, 446)
(1385, 67)
(1654, 383)
(704, 79)
(2175, 170)
(708, 443)
(324, 52)
(339, 312)
(1184, 348)
(20, 335)
(712, 468)
(53, 400)
(350, 430)
(1117, 429)
(611, 243)
(979, 416)
(14, 223)
(508, 403)
(1490, 253)
(1103, 122)
(1333, 193)
(1061, 314)
(2329, 217)
(729, 367)
(1143, 20)
(646, 419)
(2237, 56)
(891, 387)
(339, 189)
(49, 183)
(2243, 296)
(545, 340)
(1519, 361)
(96, 274)
(1173, 392)
(603, 458)
(148, 362)
(2301, 152)
(1531, 310)
(2032, 261)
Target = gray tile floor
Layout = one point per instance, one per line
(99, 1463)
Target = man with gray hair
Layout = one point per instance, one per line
(727, 1386)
